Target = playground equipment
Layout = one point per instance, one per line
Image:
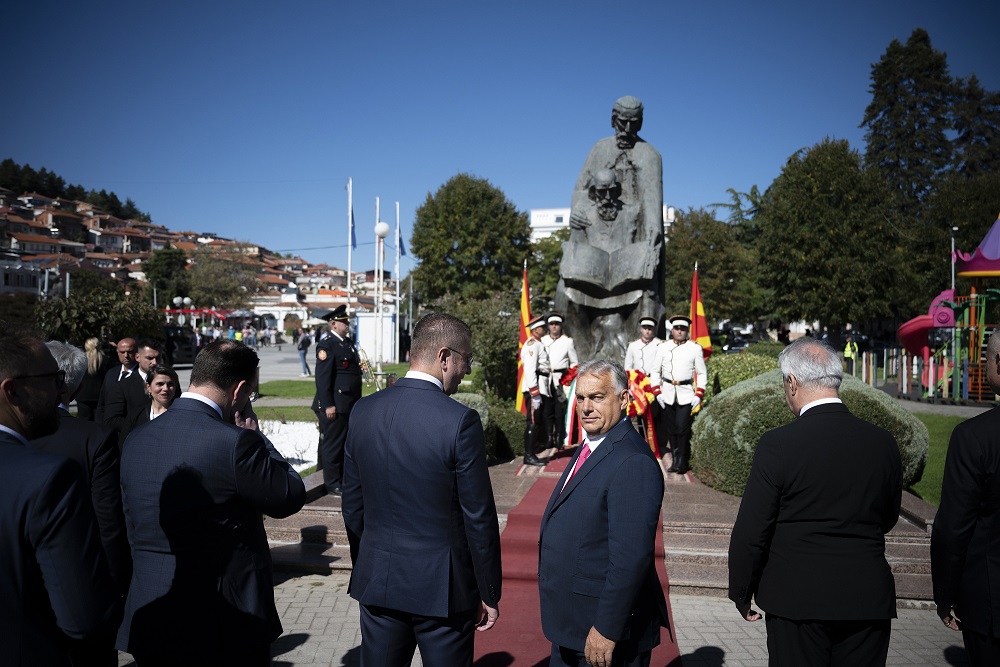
(945, 347)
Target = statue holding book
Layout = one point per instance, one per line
(611, 273)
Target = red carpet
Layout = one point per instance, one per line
(517, 640)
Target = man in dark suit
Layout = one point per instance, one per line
(195, 483)
(809, 540)
(129, 394)
(419, 509)
(126, 350)
(964, 560)
(338, 387)
(54, 581)
(604, 605)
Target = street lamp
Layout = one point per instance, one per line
(178, 301)
(381, 232)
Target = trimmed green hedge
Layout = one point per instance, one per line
(725, 434)
(765, 348)
(503, 426)
(726, 370)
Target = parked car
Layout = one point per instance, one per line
(179, 345)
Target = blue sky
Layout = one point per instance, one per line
(247, 118)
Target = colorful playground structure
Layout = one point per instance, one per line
(944, 350)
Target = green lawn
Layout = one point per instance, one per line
(306, 387)
(940, 428)
(288, 413)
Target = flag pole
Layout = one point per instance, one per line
(350, 238)
(395, 329)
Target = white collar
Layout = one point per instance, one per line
(419, 375)
(819, 401)
(204, 399)
(14, 433)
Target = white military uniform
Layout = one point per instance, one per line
(641, 355)
(679, 363)
(534, 360)
(562, 356)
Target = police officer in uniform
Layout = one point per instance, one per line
(562, 357)
(679, 378)
(338, 386)
(534, 386)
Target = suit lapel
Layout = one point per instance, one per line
(598, 455)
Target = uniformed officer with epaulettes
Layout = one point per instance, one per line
(338, 387)
(679, 379)
(562, 357)
(535, 389)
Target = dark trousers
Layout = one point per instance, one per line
(332, 437)
(983, 651)
(389, 637)
(555, 416)
(828, 643)
(624, 655)
(677, 423)
(536, 434)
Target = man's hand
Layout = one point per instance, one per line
(946, 615)
(331, 413)
(598, 649)
(695, 402)
(747, 613)
(662, 400)
(536, 402)
(246, 419)
(487, 617)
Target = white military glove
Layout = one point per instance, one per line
(662, 400)
(536, 402)
(695, 402)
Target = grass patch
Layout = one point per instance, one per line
(304, 388)
(288, 413)
(939, 427)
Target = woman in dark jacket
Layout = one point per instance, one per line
(162, 387)
(98, 364)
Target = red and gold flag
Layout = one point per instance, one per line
(699, 325)
(522, 338)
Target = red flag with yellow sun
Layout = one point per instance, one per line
(699, 325)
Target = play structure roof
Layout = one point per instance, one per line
(984, 262)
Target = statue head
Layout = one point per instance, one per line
(626, 118)
(604, 191)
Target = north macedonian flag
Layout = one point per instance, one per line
(699, 325)
(522, 338)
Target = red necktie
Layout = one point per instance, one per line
(584, 453)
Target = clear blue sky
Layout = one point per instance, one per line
(247, 118)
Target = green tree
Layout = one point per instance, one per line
(727, 275)
(222, 278)
(543, 268)
(470, 240)
(826, 251)
(166, 270)
(81, 317)
(977, 122)
(908, 119)
(85, 282)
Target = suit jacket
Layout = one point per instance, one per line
(194, 490)
(595, 552)
(54, 581)
(965, 560)
(809, 540)
(95, 449)
(123, 398)
(107, 384)
(338, 375)
(418, 503)
(135, 419)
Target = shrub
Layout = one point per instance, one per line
(725, 435)
(503, 426)
(765, 348)
(726, 370)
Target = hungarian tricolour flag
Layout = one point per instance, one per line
(522, 338)
(699, 325)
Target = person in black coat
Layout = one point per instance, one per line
(162, 387)
(338, 387)
(964, 557)
(129, 394)
(809, 540)
(126, 351)
(94, 448)
(98, 365)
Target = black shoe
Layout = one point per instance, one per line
(335, 491)
(532, 461)
(673, 469)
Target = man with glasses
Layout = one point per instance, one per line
(54, 580)
(196, 482)
(338, 387)
(679, 378)
(419, 510)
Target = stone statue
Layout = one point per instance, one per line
(612, 267)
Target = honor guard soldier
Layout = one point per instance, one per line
(679, 378)
(562, 357)
(534, 386)
(641, 353)
(338, 386)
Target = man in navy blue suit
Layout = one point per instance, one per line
(195, 483)
(419, 509)
(601, 601)
(54, 581)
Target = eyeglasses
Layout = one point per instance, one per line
(468, 359)
(253, 396)
(59, 375)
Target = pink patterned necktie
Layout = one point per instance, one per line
(584, 453)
